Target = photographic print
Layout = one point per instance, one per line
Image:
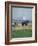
(20, 22)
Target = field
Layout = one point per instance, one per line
(21, 31)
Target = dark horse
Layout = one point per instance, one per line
(25, 22)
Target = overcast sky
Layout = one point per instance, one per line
(22, 13)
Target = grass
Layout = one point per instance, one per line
(21, 33)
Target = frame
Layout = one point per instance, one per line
(8, 20)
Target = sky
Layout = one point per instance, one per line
(21, 13)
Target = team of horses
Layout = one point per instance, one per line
(23, 23)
